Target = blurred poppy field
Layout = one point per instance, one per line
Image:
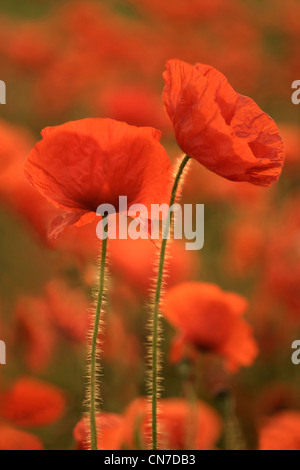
(231, 311)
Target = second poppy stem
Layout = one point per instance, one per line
(94, 348)
(155, 326)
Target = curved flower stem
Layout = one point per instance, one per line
(155, 365)
(94, 346)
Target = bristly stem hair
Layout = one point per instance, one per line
(156, 311)
(94, 392)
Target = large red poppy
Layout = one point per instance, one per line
(225, 131)
(210, 319)
(82, 164)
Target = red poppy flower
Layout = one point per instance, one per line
(282, 268)
(135, 104)
(197, 10)
(182, 425)
(15, 142)
(31, 49)
(291, 137)
(15, 190)
(110, 438)
(214, 189)
(14, 439)
(225, 131)
(80, 243)
(210, 319)
(80, 165)
(31, 402)
(68, 310)
(41, 321)
(245, 246)
(281, 432)
(121, 345)
(276, 397)
(34, 334)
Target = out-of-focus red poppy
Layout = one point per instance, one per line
(281, 432)
(15, 142)
(110, 436)
(214, 188)
(99, 35)
(240, 60)
(34, 333)
(120, 345)
(79, 242)
(282, 268)
(15, 190)
(196, 11)
(31, 402)
(272, 329)
(133, 261)
(30, 49)
(291, 137)
(289, 14)
(210, 319)
(275, 398)
(182, 425)
(14, 439)
(245, 247)
(64, 82)
(68, 310)
(138, 105)
(40, 322)
(80, 165)
(225, 131)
